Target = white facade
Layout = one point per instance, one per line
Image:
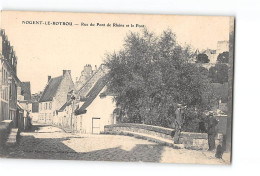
(99, 113)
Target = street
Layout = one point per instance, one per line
(48, 142)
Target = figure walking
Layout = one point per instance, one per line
(212, 123)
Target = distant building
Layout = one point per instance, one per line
(24, 96)
(54, 96)
(25, 101)
(212, 55)
(86, 74)
(35, 106)
(222, 46)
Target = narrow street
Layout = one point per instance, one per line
(48, 142)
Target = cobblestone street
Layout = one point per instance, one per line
(47, 142)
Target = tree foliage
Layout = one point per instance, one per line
(223, 57)
(153, 73)
(219, 73)
(202, 58)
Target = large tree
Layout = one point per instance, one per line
(223, 57)
(219, 73)
(202, 58)
(153, 73)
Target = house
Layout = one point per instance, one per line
(35, 106)
(92, 108)
(96, 110)
(54, 96)
(9, 82)
(24, 96)
(25, 101)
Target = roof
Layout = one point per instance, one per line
(93, 93)
(19, 106)
(85, 88)
(64, 106)
(51, 89)
(26, 90)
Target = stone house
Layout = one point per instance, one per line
(54, 96)
(96, 110)
(92, 108)
(9, 82)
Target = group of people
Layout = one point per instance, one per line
(211, 121)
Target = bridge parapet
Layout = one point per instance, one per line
(190, 140)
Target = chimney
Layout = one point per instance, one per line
(49, 78)
(96, 67)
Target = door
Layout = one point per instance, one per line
(95, 125)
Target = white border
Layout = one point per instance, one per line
(246, 155)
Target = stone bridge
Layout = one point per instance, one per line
(189, 140)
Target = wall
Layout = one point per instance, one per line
(34, 116)
(45, 112)
(190, 140)
(222, 46)
(63, 119)
(61, 95)
(5, 127)
(4, 94)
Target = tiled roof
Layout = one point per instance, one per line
(51, 89)
(26, 90)
(85, 88)
(64, 106)
(93, 93)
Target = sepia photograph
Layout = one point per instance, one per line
(116, 87)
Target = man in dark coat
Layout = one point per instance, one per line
(178, 123)
(212, 123)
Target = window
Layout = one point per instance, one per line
(45, 107)
(50, 104)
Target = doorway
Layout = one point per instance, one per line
(95, 125)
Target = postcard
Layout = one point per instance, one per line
(116, 87)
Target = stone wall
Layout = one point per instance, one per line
(65, 86)
(5, 127)
(198, 141)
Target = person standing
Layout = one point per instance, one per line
(212, 123)
(178, 123)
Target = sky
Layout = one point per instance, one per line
(44, 50)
